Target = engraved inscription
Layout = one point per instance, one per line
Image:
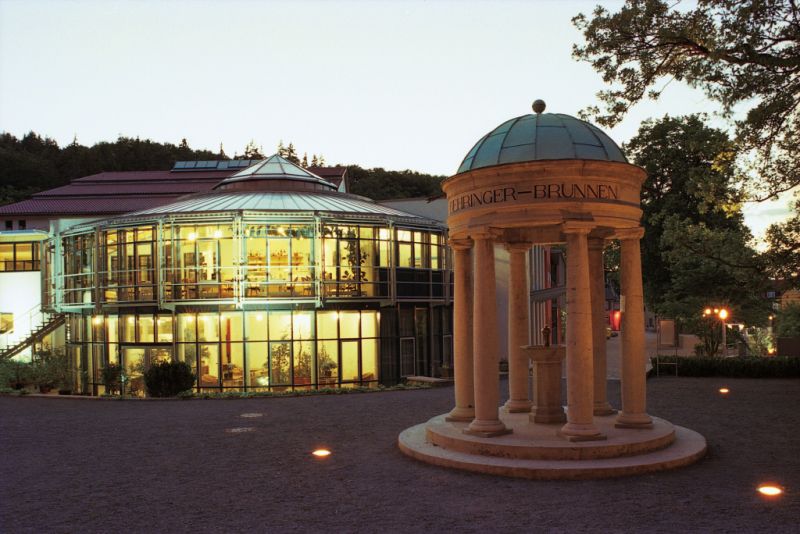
(540, 191)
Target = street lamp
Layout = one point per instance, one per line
(722, 313)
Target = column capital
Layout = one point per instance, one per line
(482, 235)
(577, 227)
(518, 246)
(629, 233)
(460, 244)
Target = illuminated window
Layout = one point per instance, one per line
(6, 322)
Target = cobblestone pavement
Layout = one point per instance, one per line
(187, 466)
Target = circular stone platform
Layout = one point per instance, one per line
(536, 451)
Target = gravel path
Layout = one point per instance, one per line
(170, 466)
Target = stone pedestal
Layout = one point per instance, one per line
(547, 384)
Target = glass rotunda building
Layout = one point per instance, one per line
(274, 280)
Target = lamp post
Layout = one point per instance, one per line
(722, 313)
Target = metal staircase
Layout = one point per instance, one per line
(45, 323)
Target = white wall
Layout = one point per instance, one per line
(19, 293)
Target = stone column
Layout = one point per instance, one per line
(580, 378)
(634, 395)
(464, 409)
(598, 290)
(518, 299)
(486, 360)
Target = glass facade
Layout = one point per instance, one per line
(271, 350)
(253, 304)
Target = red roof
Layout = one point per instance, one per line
(123, 192)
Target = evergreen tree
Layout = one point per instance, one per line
(304, 162)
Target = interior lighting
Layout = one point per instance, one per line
(97, 320)
(217, 234)
(321, 453)
(259, 317)
(724, 391)
(192, 236)
(770, 490)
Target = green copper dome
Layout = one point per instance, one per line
(538, 137)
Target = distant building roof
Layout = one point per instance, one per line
(274, 169)
(116, 192)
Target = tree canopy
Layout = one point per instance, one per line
(739, 53)
(35, 163)
(696, 250)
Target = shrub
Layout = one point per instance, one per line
(110, 375)
(789, 321)
(167, 379)
(14, 374)
(735, 367)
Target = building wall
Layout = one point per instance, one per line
(20, 292)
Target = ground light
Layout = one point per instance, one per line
(724, 391)
(321, 453)
(770, 490)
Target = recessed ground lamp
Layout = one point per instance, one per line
(724, 391)
(321, 453)
(770, 490)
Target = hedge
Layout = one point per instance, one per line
(751, 367)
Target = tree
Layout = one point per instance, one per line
(304, 162)
(696, 249)
(783, 256)
(251, 151)
(380, 184)
(738, 53)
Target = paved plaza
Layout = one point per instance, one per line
(200, 466)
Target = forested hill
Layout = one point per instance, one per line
(35, 163)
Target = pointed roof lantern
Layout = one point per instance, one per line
(275, 174)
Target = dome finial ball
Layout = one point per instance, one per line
(538, 106)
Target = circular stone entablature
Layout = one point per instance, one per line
(534, 172)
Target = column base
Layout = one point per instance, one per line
(548, 415)
(487, 429)
(581, 432)
(460, 415)
(640, 420)
(604, 408)
(517, 406)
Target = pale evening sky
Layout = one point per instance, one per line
(400, 85)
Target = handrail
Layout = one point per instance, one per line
(33, 317)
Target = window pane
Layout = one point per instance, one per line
(404, 255)
(232, 365)
(146, 329)
(164, 325)
(280, 325)
(186, 327)
(369, 359)
(257, 372)
(327, 325)
(129, 328)
(209, 365)
(280, 362)
(369, 324)
(303, 325)
(6, 257)
(303, 362)
(328, 361)
(231, 326)
(257, 327)
(207, 327)
(349, 361)
(349, 324)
